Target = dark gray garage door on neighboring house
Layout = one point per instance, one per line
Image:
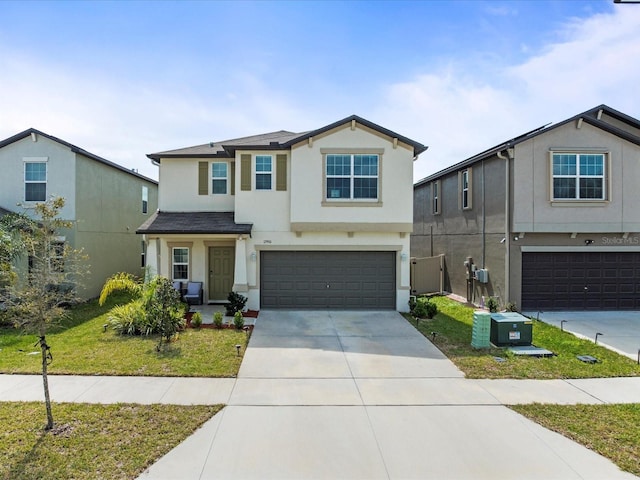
(333, 280)
(580, 281)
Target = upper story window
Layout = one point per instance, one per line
(145, 199)
(352, 176)
(219, 177)
(465, 189)
(35, 181)
(180, 263)
(578, 176)
(435, 197)
(264, 172)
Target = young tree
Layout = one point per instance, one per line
(53, 276)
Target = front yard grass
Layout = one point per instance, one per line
(81, 346)
(453, 326)
(92, 441)
(610, 430)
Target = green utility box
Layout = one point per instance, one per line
(481, 329)
(510, 328)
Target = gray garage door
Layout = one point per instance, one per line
(333, 280)
(580, 281)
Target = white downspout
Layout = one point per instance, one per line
(507, 216)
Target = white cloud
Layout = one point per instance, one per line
(123, 120)
(460, 113)
(458, 110)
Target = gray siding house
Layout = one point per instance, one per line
(548, 220)
(105, 201)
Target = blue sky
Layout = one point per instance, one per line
(123, 79)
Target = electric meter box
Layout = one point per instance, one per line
(510, 328)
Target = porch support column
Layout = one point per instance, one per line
(240, 271)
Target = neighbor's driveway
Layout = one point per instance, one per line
(362, 395)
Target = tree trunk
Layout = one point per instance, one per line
(47, 399)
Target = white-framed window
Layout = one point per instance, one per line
(435, 197)
(264, 172)
(352, 176)
(35, 180)
(465, 189)
(145, 199)
(578, 176)
(180, 264)
(143, 254)
(219, 178)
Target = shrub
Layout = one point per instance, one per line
(424, 309)
(419, 310)
(511, 307)
(217, 319)
(196, 320)
(236, 303)
(238, 320)
(130, 319)
(431, 309)
(492, 305)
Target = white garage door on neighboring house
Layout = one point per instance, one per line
(580, 281)
(327, 280)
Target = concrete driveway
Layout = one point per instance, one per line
(620, 329)
(362, 395)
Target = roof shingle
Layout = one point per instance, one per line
(194, 223)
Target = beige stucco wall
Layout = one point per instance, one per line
(179, 193)
(316, 226)
(308, 205)
(267, 210)
(535, 212)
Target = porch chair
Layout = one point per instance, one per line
(193, 294)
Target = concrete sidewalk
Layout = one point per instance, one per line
(354, 395)
(319, 391)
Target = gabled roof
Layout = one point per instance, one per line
(280, 140)
(592, 117)
(73, 148)
(194, 223)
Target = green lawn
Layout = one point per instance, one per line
(610, 430)
(91, 441)
(453, 327)
(81, 346)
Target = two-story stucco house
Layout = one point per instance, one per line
(320, 219)
(105, 201)
(549, 220)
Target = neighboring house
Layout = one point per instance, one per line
(105, 201)
(552, 216)
(290, 220)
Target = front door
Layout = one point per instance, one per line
(221, 263)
